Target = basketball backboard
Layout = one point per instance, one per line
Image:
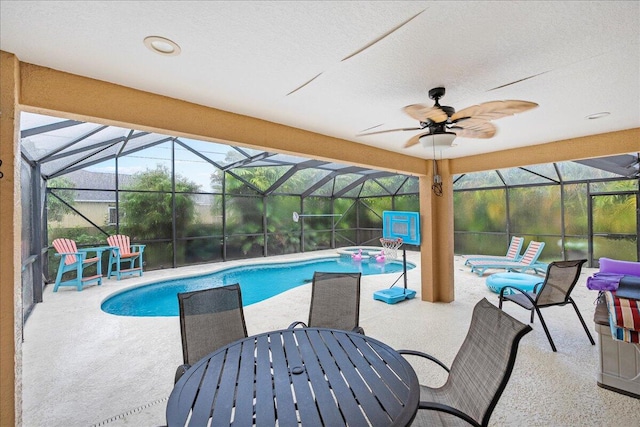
(402, 224)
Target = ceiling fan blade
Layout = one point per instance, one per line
(423, 113)
(387, 131)
(470, 123)
(414, 140)
(484, 131)
(494, 110)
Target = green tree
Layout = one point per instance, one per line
(217, 177)
(245, 206)
(56, 209)
(147, 204)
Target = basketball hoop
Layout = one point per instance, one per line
(390, 247)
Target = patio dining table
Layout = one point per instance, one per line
(298, 376)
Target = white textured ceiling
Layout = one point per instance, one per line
(573, 58)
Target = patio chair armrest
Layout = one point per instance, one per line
(424, 355)
(137, 248)
(502, 291)
(111, 250)
(180, 372)
(294, 324)
(68, 253)
(434, 406)
(81, 256)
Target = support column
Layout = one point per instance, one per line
(10, 252)
(436, 230)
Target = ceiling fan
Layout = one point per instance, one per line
(443, 124)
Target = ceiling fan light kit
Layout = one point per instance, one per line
(439, 140)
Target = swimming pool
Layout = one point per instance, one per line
(257, 282)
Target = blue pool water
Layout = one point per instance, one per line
(257, 282)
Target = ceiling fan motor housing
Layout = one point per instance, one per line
(436, 93)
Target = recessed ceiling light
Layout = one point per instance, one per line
(162, 46)
(598, 115)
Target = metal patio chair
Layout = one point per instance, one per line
(479, 372)
(209, 319)
(335, 302)
(560, 280)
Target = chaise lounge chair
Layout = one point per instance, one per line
(529, 261)
(513, 253)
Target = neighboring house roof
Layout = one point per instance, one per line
(88, 185)
(99, 186)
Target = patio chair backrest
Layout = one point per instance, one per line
(121, 241)
(515, 246)
(335, 301)
(482, 367)
(532, 253)
(560, 280)
(210, 319)
(66, 246)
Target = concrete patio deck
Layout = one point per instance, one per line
(84, 367)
